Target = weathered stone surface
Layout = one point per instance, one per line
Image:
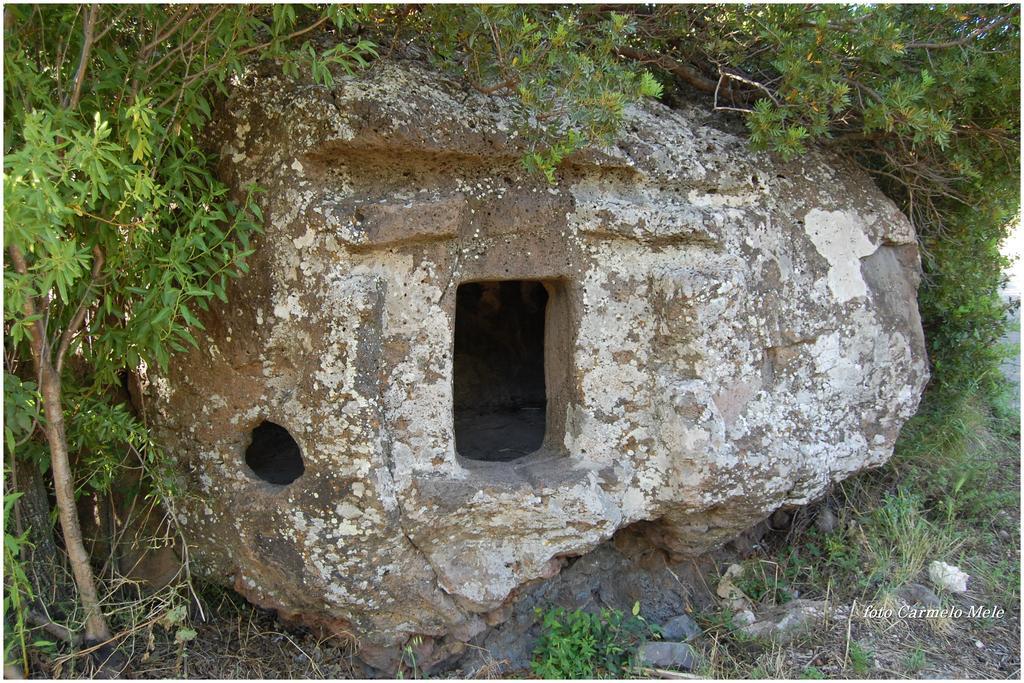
(917, 595)
(681, 628)
(948, 577)
(785, 622)
(826, 521)
(725, 335)
(667, 655)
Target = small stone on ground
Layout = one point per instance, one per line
(681, 628)
(947, 577)
(665, 655)
(785, 622)
(917, 595)
(826, 521)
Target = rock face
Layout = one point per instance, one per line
(441, 376)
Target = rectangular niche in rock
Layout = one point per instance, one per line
(511, 353)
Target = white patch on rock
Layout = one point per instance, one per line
(306, 240)
(839, 237)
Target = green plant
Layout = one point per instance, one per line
(116, 231)
(763, 581)
(17, 589)
(860, 659)
(812, 673)
(915, 660)
(581, 644)
(409, 657)
(557, 62)
(901, 540)
(1000, 578)
(947, 453)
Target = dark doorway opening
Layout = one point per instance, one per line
(499, 393)
(273, 455)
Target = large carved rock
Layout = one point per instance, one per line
(442, 376)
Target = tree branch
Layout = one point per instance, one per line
(37, 339)
(490, 90)
(741, 79)
(53, 628)
(96, 628)
(83, 61)
(112, 23)
(217, 65)
(992, 25)
(867, 90)
(79, 317)
(163, 35)
(200, 30)
(684, 72)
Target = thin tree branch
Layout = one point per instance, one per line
(992, 25)
(684, 72)
(54, 629)
(241, 53)
(290, 36)
(38, 339)
(723, 108)
(164, 35)
(490, 90)
(83, 61)
(76, 321)
(867, 90)
(62, 53)
(160, 35)
(741, 79)
(116, 21)
(200, 30)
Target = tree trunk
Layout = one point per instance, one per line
(96, 628)
(45, 558)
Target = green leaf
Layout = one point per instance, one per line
(649, 86)
(184, 635)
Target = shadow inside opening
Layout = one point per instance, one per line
(499, 393)
(273, 455)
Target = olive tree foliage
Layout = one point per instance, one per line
(115, 229)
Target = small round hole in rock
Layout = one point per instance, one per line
(273, 455)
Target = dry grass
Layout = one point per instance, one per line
(951, 494)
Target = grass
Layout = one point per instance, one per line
(951, 493)
(860, 660)
(915, 661)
